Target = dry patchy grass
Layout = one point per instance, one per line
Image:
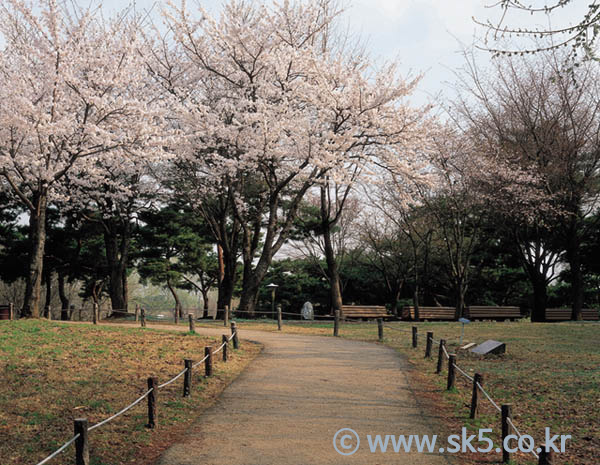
(55, 372)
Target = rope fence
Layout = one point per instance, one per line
(505, 410)
(82, 448)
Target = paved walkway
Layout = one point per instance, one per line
(286, 407)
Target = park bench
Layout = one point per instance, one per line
(429, 313)
(366, 312)
(564, 314)
(480, 312)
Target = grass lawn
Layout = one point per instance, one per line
(550, 373)
(53, 372)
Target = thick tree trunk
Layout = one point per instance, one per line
(249, 298)
(64, 300)
(37, 239)
(117, 254)
(540, 299)
(227, 284)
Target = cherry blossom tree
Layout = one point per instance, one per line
(273, 109)
(73, 91)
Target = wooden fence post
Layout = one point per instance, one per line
(451, 372)
(95, 313)
(429, 343)
(236, 340)
(143, 317)
(208, 365)
(225, 341)
(192, 323)
(137, 312)
(82, 447)
(414, 337)
(336, 323)
(546, 456)
(226, 316)
(11, 311)
(152, 419)
(187, 377)
(506, 413)
(477, 379)
(279, 317)
(380, 329)
(440, 361)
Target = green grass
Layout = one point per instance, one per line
(53, 372)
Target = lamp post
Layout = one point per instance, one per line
(273, 287)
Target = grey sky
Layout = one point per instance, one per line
(424, 35)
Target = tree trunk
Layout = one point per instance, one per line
(540, 299)
(333, 272)
(37, 239)
(461, 291)
(48, 281)
(249, 298)
(574, 259)
(117, 257)
(204, 303)
(64, 300)
(178, 309)
(416, 302)
(226, 285)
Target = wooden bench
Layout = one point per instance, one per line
(429, 313)
(564, 314)
(479, 312)
(364, 311)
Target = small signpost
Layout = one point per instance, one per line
(464, 321)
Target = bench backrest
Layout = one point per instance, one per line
(429, 313)
(364, 311)
(564, 314)
(486, 311)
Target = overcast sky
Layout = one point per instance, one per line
(424, 35)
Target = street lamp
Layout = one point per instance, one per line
(272, 286)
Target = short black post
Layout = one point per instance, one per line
(440, 361)
(380, 329)
(546, 456)
(506, 414)
(414, 337)
(477, 379)
(428, 344)
(192, 323)
(225, 342)
(95, 314)
(208, 365)
(226, 316)
(451, 372)
(11, 310)
(82, 447)
(187, 377)
(279, 317)
(143, 317)
(234, 333)
(152, 419)
(336, 323)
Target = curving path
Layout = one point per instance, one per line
(287, 405)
